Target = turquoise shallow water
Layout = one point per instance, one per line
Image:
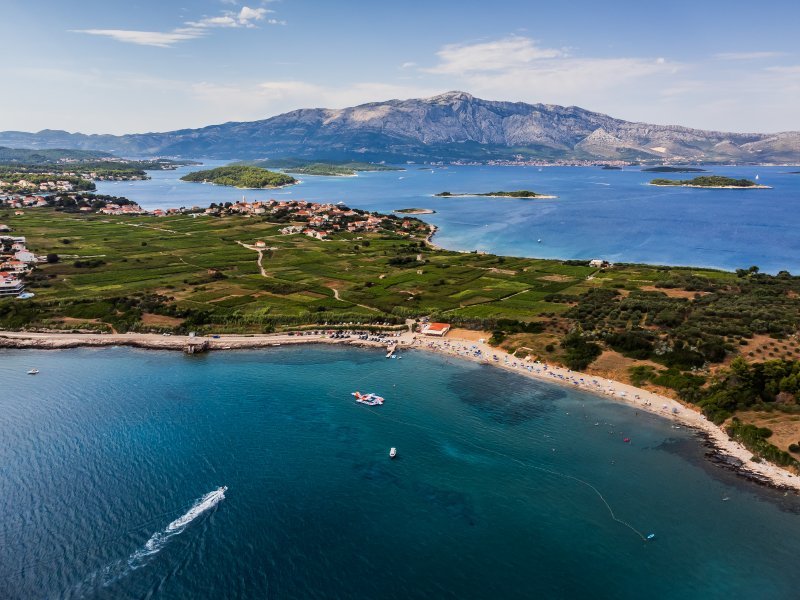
(103, 449)
(598, 214)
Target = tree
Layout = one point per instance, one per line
(52, 259)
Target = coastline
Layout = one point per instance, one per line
(715, 187)
(416, 211)
(236, 187)
(726, 452)
(537, 197)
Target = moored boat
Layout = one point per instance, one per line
(368, 399)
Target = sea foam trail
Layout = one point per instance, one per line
(141, 557)
(159, 539)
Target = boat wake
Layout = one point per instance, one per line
(141, 557)
(159, 539)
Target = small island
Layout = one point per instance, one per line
(710, 181)
(323, 169)
(673, 170)
(526, 194)
(241, 176)
(415, 211)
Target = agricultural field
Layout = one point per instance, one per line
(202, 265)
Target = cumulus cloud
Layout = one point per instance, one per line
(245, 17)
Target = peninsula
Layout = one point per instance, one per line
(415, 211)
(319, 168)
(241, 176)
(24, 171)
(523, 194)
(665, 169)
(710, 181)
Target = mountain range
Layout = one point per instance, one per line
(449, 127)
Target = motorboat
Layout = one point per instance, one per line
(33, 372)
(368, 399)
(392, 452)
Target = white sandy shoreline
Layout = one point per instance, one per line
(641, 399)
(714, 187)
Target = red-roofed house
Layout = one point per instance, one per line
(437, 329)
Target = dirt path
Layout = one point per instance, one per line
(488, 301)
(340, 299)
(260, 256)
(155, 228)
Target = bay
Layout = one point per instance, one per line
(503, 487)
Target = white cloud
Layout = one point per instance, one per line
(499, 55)
(146, 38)
(747, 55)
(246, 18)
(518, 68)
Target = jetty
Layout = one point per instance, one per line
(195, 346)
(390, 349)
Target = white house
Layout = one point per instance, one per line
(599, 263)
(25, 256)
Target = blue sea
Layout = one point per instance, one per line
(112, 464)
(612, 215)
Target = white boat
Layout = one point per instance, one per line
(392, 452)
(368, 399)
(33, 371)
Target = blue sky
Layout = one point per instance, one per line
(147, 65)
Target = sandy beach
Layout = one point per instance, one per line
(682, 415)
(715, 187)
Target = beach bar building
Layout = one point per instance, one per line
(436, 329)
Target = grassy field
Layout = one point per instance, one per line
(200, 264)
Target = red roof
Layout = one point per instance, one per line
(437, 327)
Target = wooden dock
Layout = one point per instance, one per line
(390, 350)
